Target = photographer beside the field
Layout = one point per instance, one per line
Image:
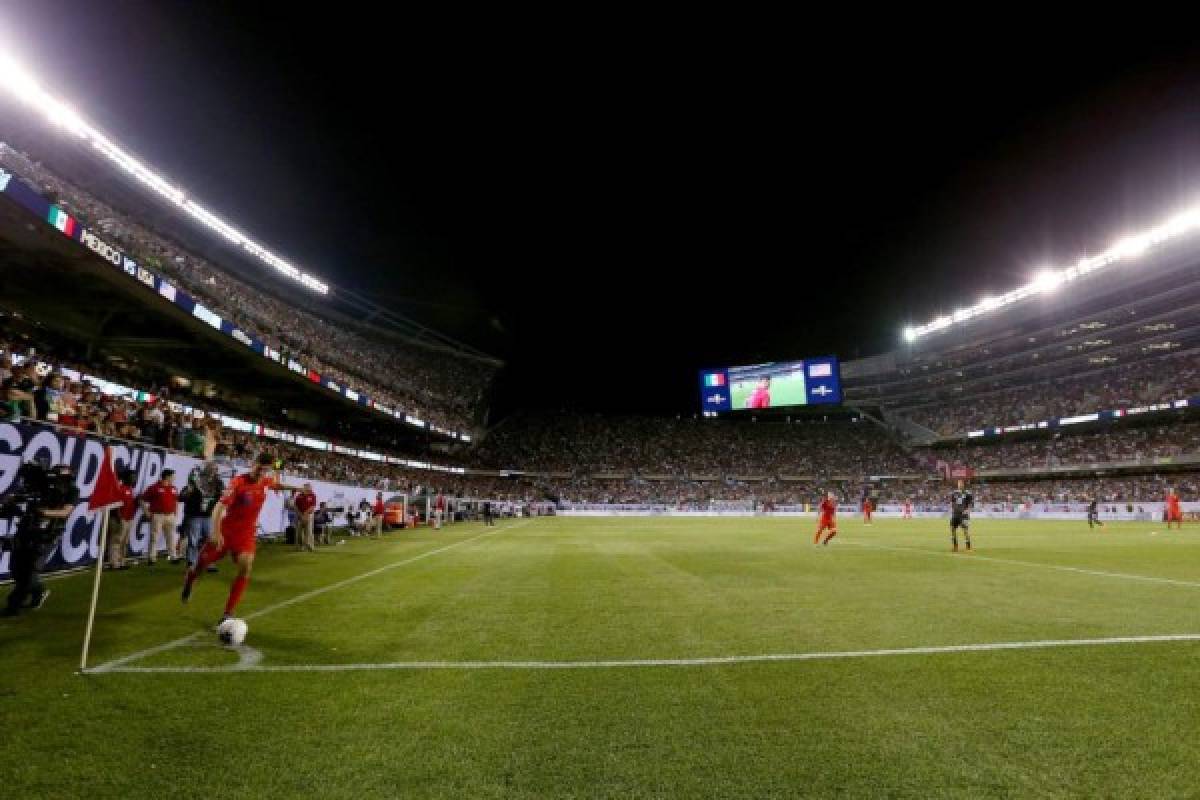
(39, 505)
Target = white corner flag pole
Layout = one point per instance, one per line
(87, 636)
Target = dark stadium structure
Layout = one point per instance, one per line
(81, 302)
(1087, 380)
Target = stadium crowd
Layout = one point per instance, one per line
(1014, 495)
(580, 443)
(925, 494)
(1124, 386)
(1124, 489)
(433, 385)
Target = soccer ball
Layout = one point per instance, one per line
(232, 632)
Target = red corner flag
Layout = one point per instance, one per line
(107, 492)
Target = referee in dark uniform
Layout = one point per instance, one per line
(961, 502)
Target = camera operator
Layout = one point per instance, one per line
(42, 501)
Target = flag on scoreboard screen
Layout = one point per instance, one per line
(714, 379)
(61, 220)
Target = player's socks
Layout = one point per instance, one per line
(203, 562)
(968, 539)
(953, 544)
(189, 578)
(235, 593)
(817, 537)
(830, 536)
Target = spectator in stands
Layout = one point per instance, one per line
(18, 391)
(46, 398)
(155, 425)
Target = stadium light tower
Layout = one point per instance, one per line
(24, 87)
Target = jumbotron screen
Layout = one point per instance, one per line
(778, 384)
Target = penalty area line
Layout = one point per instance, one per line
(120, 663)
(673, 662)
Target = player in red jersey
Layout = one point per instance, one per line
(235, 519)
(867, 507)
(761, 396)
(1174, 512)
(827, 520)
(908, 509)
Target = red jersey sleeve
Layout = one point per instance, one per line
(232, 491)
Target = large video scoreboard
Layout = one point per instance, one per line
(778, 384)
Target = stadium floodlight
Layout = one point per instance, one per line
(17, 81)
(1048, 280)
(1186, 222)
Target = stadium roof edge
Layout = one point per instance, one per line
(1048, 280)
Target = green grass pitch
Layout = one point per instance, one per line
(1101, 720)
(786, 390)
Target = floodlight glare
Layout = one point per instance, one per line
(1047, 280)
(1181, 224)
(22, 85)
(18, 81)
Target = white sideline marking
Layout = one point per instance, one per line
(111, 666)
(676, 662)
(973, 556)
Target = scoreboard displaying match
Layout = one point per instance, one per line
(778, 384)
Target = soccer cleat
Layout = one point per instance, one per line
(41, 600)
(186, 594)
(224, 617)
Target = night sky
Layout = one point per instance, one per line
(609, 204)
